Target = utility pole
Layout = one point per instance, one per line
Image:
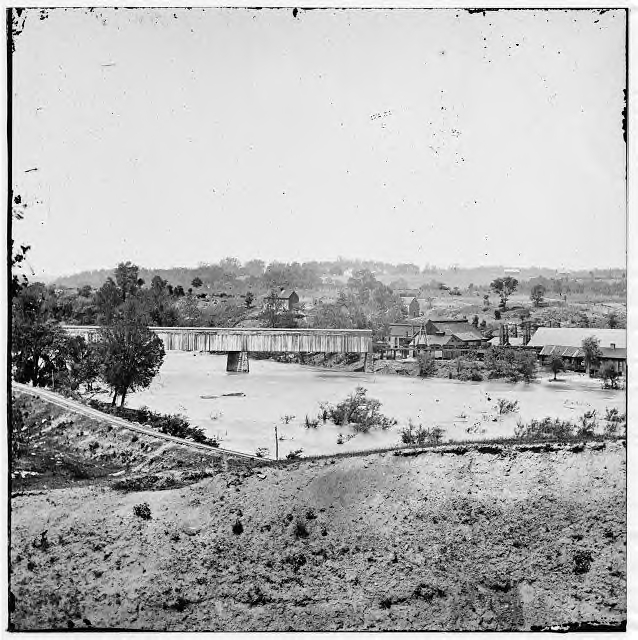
(276, 444)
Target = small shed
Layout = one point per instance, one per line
(412, 305)
(288, 298)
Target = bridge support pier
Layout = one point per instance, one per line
(237, 361)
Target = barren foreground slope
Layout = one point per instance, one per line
(515, 539)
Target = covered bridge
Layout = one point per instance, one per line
(239, 341)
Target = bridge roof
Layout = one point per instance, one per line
(78, 327)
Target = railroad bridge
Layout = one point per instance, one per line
(239, 342)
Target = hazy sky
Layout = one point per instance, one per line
(172, 137)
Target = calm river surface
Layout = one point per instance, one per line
(274, 390)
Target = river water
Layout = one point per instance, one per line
(274, 390)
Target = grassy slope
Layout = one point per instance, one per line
(439, 540)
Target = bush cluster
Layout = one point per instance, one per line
(420, 435)
(173, 425)
(359, 412)
(504, 406)
(512, 364)
(615, 424)
(544, 429)
(427, 364)
(20, 432)
(143, 511)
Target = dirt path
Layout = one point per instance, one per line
(479, 541)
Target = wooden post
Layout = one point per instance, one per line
(276, 444)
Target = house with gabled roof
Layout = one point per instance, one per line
(453, 333)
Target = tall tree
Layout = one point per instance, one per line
(107, 300)
(126, 277)
(131, 354)
(556, 365)
(275, 313)
(537, 294)
(230, 265)
(504, 287)
(610, 375)
(591, 352)
(38, 343)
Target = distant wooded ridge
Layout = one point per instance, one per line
(317, 273)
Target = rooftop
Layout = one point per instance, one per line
(574, 336)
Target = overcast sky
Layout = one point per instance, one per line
(173, 137)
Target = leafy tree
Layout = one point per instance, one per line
(427, 364)
(131, 354)
(189, 311)
(159, 286)
(273, 309)
(475, 322)
(197, 282)
(504, 287)
(513, 364)
(582, 320)
(126, 277)
(363, 283)
(556, 364)
(331, 316)
(591, 352)
(86, 291)
(223, 315)
(497, 314)
(537, 294)
(84, 361)
(486, 302)
(179, 291)
(255, 268)
(107, 299)
(18, 281)
(250, 297)
(38, 343)
(230, 265)
(612, 319)
(610, 375)
(161, 308)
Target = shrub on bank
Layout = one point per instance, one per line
(587, 426)
(544, 429)
(173, 425)
(427, 364)
(615, 422)
(420, 435)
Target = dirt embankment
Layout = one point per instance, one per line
(60, 448)
(475, 541)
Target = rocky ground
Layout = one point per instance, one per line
(459, 538)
